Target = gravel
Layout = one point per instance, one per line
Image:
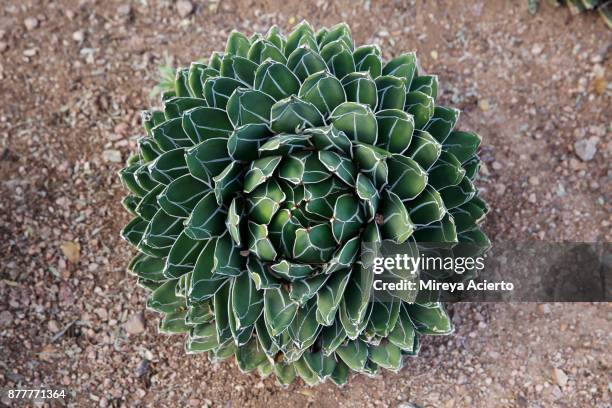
(73, 117)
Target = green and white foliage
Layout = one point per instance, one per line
(255, 186)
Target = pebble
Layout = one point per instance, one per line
(6, 318)
(483, 104)
(53, 326)
(537, 49)
(496, 165)
(78, 36)
(586, 148)
(3, 46)
(30, 23)
(560, 377)
(135, 324)
(124, 10)
(30, 52)
(71, 250)
(113, 156)
(184, 8)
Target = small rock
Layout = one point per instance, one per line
(534, 181)
(537, 49)
(544, 308)
(532, 198)
(124, 10)
(496, 165)
(184, 8)
(30, 52)
(6, 318)
(586, 148)
(560, 377)
(113, 156)
(30, 23)
(52, 326)
(78, 36)
(3, 46)
(135, 324)
(71, 250)
(483, 104)
(102, 313)
(434, 54)
(194, 402)
(143, 368)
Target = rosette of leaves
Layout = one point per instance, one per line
(257, 184)
(604, 7)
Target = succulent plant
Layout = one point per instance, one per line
(604, 7)
(256, 186)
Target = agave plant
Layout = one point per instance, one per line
(604, 7)
(257, 184)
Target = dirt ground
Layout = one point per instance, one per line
(74, 76)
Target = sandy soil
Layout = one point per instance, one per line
(73, 78)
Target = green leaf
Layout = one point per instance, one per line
(147, 267)
(284, 145)
(128, 179)
(217, 90)
(330, 296)
(134, 230)
(304, 327)
(386, 355)
(424, 149)
(207, 219)
(366, 191)
(164, 299)
(382, 318)
(440, 231)
(275, 37)
(237, 44)
(324, 91)
(291, 115)
(173, 323)
(276, 80)
(203, 337)
(368, 59)
(304, 62)
(360, 88)
(314, 245)
(292, 271)
(397, 225)
(395, 129)
(247, 301)
(338, 57)
(221, 306)
(332, 337)
(205, 123)
(340, 374)
(259, 242)
(232, 221)
(208, 159)
(170, 135)
(403, 334)
(249, 106)
(462, 145)
(301, 30)
(354, 354)
(283, 230)
(246, 140)
(174, 107)
(391, 92)
(447, 171)
(330, 138)
(406, 178)
(181, 196)
(357, 121)
(181, 86)
(431, 319)
(279, 311)
(227, 259)
(199, 313)
(260, 275)
(428, 84)
(262, 50)
(182, 256)
(442, 122)
(303, 167)
(259, 172)
(454, 196)
(421, 106)
(427, 207)
(339, 166)
(372, 162)
(348, 218)
(169, 166)
(194, 78)
(204, 283)
(148, 206)
(323, 366)
(344, 257)
(265, 201)
(339, 32)
(161, 233)
(403, 66)
(228, 183)
(303, 290)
